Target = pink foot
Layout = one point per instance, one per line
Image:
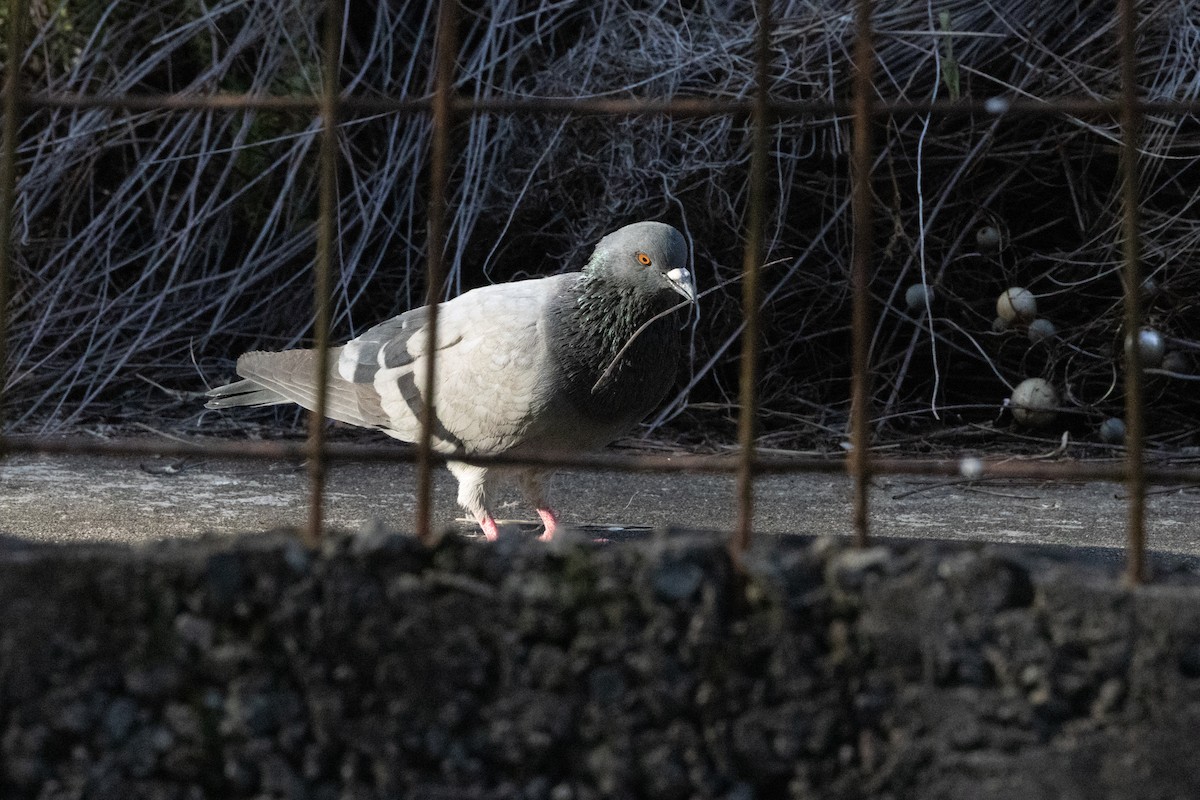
(550, 521)
(490, 531)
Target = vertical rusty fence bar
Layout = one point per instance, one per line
(14, 40)
(1135, 429)
(447, 47)
(751, 291)
(859, 464)
(323, 268)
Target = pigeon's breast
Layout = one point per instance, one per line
(591, 400)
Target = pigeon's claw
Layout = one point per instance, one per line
(550, 520)
(491, 531)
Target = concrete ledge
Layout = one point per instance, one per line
(380, 669)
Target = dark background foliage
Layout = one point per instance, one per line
(153, 247)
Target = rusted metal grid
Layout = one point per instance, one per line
(444, 106)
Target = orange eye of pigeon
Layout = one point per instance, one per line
(643, 259)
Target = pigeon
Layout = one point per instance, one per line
(565, 363)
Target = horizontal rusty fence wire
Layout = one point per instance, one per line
(971, 467)
(351, 105)
(443, 105)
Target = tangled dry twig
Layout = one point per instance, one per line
(147, 237)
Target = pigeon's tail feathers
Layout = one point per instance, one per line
(288, 377)
(242, 393)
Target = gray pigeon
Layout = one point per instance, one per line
(549, 364)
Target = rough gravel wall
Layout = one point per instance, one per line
(378, 669)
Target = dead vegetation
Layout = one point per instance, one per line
(153, 247)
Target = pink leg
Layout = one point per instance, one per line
(490, 531)
(550, 521)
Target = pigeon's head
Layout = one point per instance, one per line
(651, 256)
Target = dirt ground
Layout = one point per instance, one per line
(81, 498)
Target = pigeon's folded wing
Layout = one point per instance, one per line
(490, 363)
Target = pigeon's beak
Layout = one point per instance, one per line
(681, 281)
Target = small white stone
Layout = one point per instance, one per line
(970, 468)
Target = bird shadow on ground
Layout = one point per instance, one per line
(597, 534)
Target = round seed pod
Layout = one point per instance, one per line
(1175, 361)
(917, 296)
(987, 239)
(1151, 347)
(1034, 403)
(1016, 305)
(1000, 325)
(1041, 328)
(1112, 430)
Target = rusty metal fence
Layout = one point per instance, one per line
(445, 107)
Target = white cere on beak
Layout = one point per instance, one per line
(682, 281)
